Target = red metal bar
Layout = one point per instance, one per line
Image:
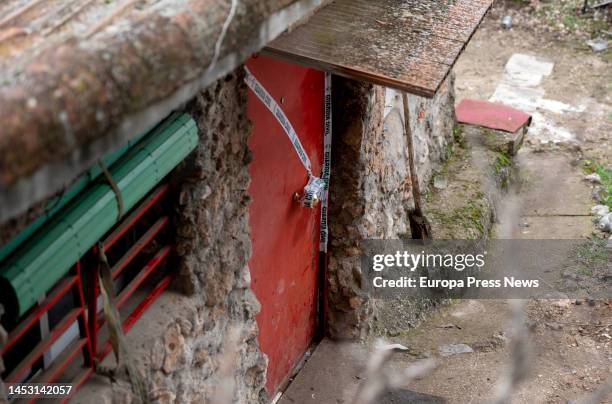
(139, 311)
(139, 279)
(138, 246)
(79, 301)
(92, 309)
(58, 292)
(133, 217)
(44, 345)
(142, 275)
(146, 303)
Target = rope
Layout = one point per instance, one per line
(111, 181)
(115, 330)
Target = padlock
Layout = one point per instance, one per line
(313, 193)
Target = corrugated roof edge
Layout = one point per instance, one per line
(89, 100)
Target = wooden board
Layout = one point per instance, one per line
(410, 45)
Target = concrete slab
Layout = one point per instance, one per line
(332, 376)
(550, 185)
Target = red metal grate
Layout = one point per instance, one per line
(86, 312)
(71, 285)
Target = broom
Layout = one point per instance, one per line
(419, 226)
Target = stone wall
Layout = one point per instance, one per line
(213, 243)
(371, 189)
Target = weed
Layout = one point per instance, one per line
(502, 161)
(458, 135)
(458, 132)
(502, 169)
(606, 182)
(473, 214)
(590, 167)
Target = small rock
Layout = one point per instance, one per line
(501, 337)
(569, 275)
(157, 354)
(440, 182)
(174, 346)
(591, 302)
(563, 303)
(593, 178)
(200, 357)
(598, 44)
(570, 284)
(454, 349)
(605, 223)
(185, 325)
(506, 22)
(600, 210)
(554, 326)
(355, 302)
(578, 302)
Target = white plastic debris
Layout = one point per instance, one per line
(382, 346)
(593, 178)
(598, 44)
(506, 22)
(528, 71)
(600, 210)
(455, 349)
(605, 223)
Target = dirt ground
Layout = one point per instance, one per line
(572, 350)
(570, 343)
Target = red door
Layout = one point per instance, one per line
(285, 235)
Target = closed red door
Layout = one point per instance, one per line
(285, 235)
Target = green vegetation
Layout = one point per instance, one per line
(474, 215)
(470, 217)
(606, 181)
(590, 167)
(502, 162)
(502, 169)
(458, 136)
(458, 133)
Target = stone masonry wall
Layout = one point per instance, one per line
(370, 190)
(213, 243)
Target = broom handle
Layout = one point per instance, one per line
(416, 190)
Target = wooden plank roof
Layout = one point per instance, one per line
(410, 45)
